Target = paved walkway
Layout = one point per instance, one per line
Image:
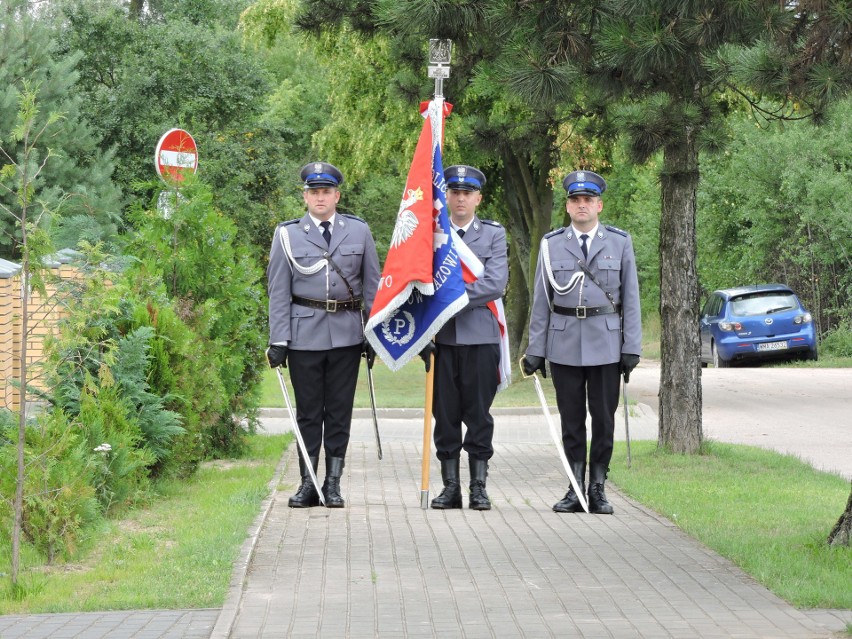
(385, 567)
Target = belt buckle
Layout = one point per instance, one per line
(580, 312)
(331, 306)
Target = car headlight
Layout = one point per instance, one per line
(730, 326)
(807, 318)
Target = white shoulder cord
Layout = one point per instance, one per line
(284, 238)
(577, 278)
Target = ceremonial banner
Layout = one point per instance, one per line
(472, 270)
(422, 284)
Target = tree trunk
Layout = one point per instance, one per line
(841, 534)
(680, 374)
(529, 201)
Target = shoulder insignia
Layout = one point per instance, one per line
(616, 230)
(554, 233)
(353, 217)
(288, 223)
(492, 223)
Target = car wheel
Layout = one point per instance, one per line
(718, 362)
(812, 356)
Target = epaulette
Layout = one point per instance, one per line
(353, 217)
(288, 223)
(554, 233)
(617, 230)
(492, 223)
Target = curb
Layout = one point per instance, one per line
(228, 613)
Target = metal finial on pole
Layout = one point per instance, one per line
(440, 55)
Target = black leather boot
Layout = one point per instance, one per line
(331, 486)
(478, 497)
(451, 496)
(598, 504)
(307, 495)
(571, 503)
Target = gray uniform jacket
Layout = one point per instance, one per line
(476, 324)
(353, 250)
(593, 341)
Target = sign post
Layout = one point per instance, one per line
(175, 156)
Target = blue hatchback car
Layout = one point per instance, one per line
(752, 323)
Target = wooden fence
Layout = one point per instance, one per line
(44, 315)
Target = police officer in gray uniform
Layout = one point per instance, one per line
(586, 322)
(467, 355)
(323, 274)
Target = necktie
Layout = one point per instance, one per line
(583, 246)
(460, 232)
(326, 234)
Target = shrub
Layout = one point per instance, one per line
(106, 421)
(217, 291)
(838, 342)
(60, 504)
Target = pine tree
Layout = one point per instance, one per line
(79, 174)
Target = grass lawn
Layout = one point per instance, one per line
(178, 552)
(769, 513)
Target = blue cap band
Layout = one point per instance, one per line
(584, 186)
(464, 180)
(325, 176)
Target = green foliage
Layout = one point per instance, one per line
(218, 290)
(78, 175)
(59, 499)
(187, 68)
(776, 207)
(633, 203)
(183, 366)
(100, 368)
(838, 342)
(179, 372)
(132, 362)
(121, 460)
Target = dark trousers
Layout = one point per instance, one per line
(574, 384)
(466, 379)
(324, 384)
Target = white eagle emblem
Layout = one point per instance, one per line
(581, 177)
(317, 167)
(406, 220)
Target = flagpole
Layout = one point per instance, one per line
(427, 435)
(440, 54)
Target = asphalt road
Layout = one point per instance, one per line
(802, 411)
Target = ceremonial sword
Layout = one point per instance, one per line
(373, 405)
(299, 439)
(557, 438)
(372, 389)
(626, 423)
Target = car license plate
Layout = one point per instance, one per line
(772, 346)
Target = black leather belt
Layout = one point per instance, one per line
(332, 306)
(582, 312)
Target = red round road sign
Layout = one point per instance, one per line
(176, 154)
